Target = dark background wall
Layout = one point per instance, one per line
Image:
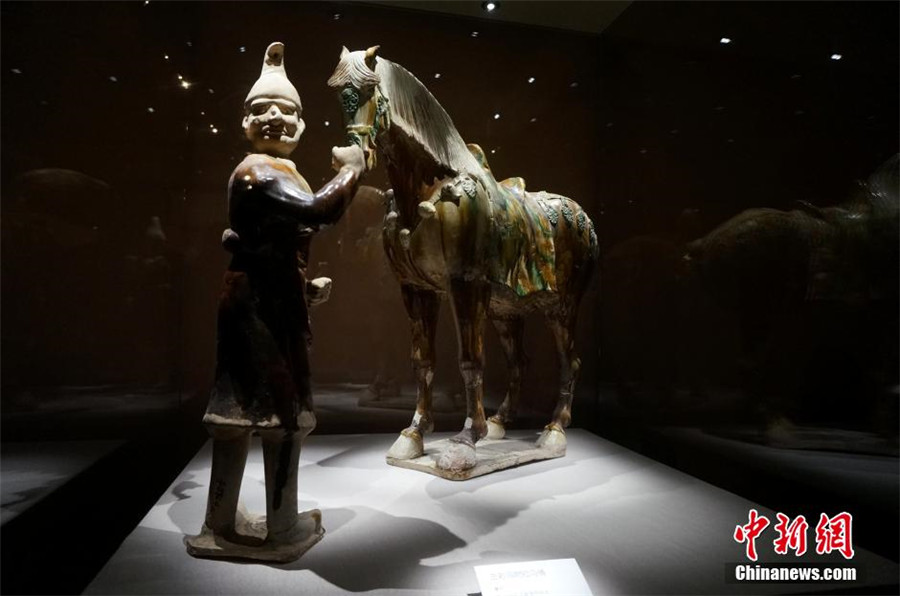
(88, 88)
(112, 190)
(113, 173)
(691, 133)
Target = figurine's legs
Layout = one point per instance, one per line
(423, 307)
(230, 447)
(281, 459)
(511, 333)
(281, 455)
(470, 303)
(563, 329)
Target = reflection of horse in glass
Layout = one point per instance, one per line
(499, 251)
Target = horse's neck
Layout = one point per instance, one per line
(410, 170)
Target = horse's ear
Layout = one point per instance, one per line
(344, 52)
(370, 56)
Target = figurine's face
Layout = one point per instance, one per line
(273, 125)
(365, 112)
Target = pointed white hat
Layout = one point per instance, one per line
(273, 81)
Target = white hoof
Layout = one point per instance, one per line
(495, 430)
(407, 447)
(457, 457)
(552, 440)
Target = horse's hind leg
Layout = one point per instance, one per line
(563, 329)
(511, 333)
(470, 302)
(423, 307)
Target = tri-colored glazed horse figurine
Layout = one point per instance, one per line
(498, 251)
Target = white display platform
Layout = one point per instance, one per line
(633, 525)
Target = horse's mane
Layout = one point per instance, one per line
(420, 116)
(413, 108)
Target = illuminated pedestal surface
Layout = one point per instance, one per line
(634, 526)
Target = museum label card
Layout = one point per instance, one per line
(557, 577)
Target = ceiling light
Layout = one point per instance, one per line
(530, 79)
(725, 40)
(490, 6)
(836, 56)
(496, 116)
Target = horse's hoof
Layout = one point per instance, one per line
(552, 440)
(409, 445)
(457, 457)
(495, 429)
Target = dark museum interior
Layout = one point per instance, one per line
(738, 160)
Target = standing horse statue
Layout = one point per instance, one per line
(498, 251)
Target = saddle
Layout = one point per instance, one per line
(515, 185)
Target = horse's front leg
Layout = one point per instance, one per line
(470, 304)
(423, 307)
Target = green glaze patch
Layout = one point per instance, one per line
(354, 139)
(523, 248)
(350, 101)
(567, 213)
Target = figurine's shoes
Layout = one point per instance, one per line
(287, 547)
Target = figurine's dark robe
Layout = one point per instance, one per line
(262, 366)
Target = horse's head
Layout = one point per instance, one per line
(365, 108)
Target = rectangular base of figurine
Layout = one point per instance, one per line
(254, 544)
(492, 455)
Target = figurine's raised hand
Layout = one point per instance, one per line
(318, 291)
(351, 157)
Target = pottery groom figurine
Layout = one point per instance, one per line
(262, 368)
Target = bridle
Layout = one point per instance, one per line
(380, 121)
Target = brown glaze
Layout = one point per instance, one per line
(262, 372)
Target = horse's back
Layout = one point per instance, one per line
(547, 246)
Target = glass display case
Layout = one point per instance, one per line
(738, 160)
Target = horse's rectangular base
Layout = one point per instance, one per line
(493, 456)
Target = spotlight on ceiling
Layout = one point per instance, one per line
(490, 6)
(836, 56)
(725, 40)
